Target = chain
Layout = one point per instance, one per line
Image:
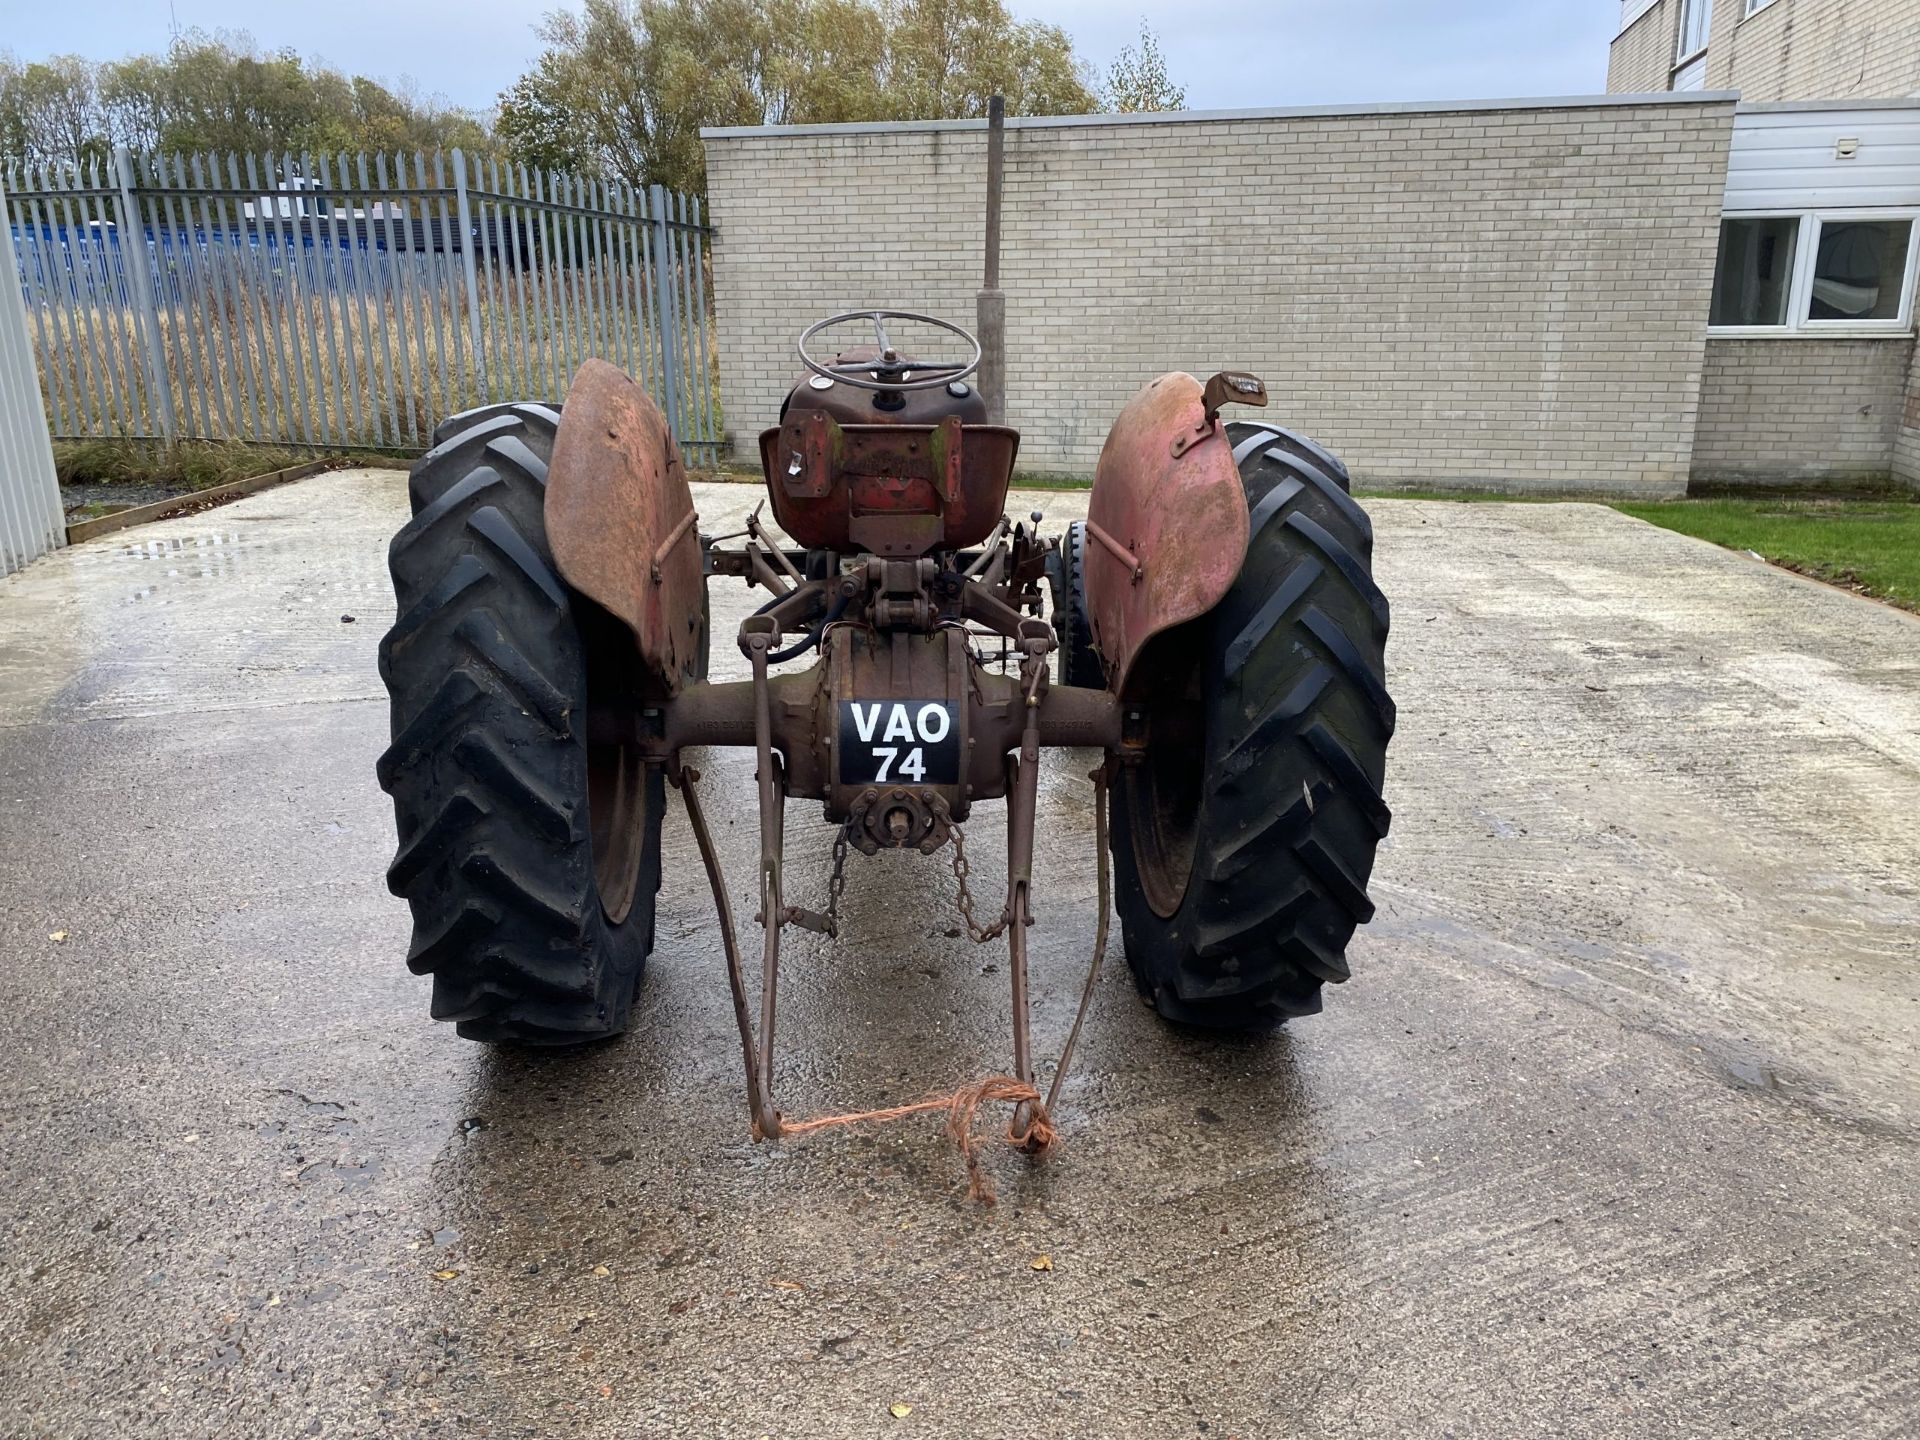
(981, 935)
(837, 883)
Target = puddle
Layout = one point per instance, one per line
(1751, 1074)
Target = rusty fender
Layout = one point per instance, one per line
(620, 519)
(1167, 520)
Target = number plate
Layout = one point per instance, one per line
(899, 742)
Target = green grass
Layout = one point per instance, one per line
(186, 467)
(1871, 547)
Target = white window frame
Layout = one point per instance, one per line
(1754, 7)
(1683, 57)
(1806, 250)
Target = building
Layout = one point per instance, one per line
(1809, 367)
(1622, 294)
(1809, 362)
(1641, 292)
(1769, 50)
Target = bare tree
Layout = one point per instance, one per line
(1137, 81)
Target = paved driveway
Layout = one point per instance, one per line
(1613, 1133)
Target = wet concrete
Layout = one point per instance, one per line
(1613, 1132)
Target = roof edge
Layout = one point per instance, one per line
(1189, 117)
(1801, 107)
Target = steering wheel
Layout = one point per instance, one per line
(861, 373)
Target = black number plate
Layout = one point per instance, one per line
(899, 742)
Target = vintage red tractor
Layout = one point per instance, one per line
(1218, 632)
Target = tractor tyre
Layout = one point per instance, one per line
(530, 857)
(1079, 661)
(1244, 836)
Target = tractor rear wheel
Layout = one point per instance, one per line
(529, 856)
(1244, 837)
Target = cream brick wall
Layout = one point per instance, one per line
(1774, 411)
(1511, 297)
(1791, 50)
(1816, 50)
(1906, 441)
(1640, 61)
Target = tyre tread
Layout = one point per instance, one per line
(1080, 662)
(1299, 720)
(487, 769)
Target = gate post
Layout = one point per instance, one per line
(666, 312)
(132, 228)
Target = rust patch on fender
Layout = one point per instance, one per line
(620, 517)
(1183, 519)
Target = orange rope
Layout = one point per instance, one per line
(961, 1106)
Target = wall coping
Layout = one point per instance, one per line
(1190, 117)
(1804, 107)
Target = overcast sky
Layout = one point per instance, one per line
(1226, 52)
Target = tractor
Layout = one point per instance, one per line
(1212, 628)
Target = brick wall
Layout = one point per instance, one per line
(1791, 50)
(1500, 296)
(1906, 440)
(1816, 50)
(1774, 411)
(1640, 61)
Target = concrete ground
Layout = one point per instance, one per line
(1613, 1132)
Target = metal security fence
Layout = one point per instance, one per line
(350, 301)
(31, 522)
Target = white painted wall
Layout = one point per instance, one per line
(1784, 157)
(1632, 10)
(31, 520)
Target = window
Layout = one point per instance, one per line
(1833, 272)
(1753, 282)
(1695, 17)
(1859, 270)
(1754, 7)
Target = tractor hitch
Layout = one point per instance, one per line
(880, 815)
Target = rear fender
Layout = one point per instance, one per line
(1166, 524)
(620, 518)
